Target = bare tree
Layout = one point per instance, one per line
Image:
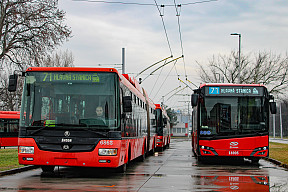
(265, 68)
(29, 30)
(58, 59)
(11, 101)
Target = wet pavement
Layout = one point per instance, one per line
(174, 169)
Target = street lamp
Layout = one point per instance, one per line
(239, 35)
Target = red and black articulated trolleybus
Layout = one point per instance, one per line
(9, 126)
(231, 121)
(163, 128)
(89, 117)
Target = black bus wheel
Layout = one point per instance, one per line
(143, 157)
(48, 168)
(122, 168)
(255, 160)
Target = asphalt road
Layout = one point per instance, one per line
(174, 169)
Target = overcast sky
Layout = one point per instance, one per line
(101, 30)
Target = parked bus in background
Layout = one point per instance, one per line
(9, 126)
(89, 117)
(163, 128)
(231, 121)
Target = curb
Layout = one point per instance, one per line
(18, 170)
(276, 162)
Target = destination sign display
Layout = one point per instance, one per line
(69, 77)
(234, 91)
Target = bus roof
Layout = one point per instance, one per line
(158, 106)
(231, 85)
(71, 69)
(9, 114)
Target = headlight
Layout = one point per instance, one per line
(204, 147)
(261, 148)
(24, 149)
(107, 152)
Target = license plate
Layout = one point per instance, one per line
(233, 153)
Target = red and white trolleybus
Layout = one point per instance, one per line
(60, 124)
(163, 128)
(9, 126)
(231, 120)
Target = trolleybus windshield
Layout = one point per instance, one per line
(52, 100)
(223, 116)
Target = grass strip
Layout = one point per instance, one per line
(9, 159)
(278, 151)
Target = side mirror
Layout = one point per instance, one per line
(165, 121)
(127, 104)
(12, 83)
(273, 108)
(194, 99)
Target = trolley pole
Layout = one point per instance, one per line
(239, 53)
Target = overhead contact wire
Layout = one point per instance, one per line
(143, 4)
(180, 33)
(164, 27)
(165, 79)
(157, 79)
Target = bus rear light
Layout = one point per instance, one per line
(25, 149)
(107, 152)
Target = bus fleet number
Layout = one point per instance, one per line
(106, 142)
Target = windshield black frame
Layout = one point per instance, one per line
(69, 99)
(225, 116)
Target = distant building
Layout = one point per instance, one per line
(184, 125)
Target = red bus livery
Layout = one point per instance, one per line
(231, 120)
(9, 125)
(237, 183)
(92, 117)
(163, 128)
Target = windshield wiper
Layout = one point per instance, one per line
(40, 129)
(73, 128)
(53, 126)
(97, 125)
(92, 131)
(253, 131)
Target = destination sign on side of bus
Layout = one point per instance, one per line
(234, 91)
